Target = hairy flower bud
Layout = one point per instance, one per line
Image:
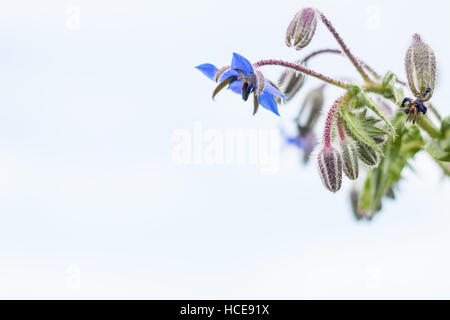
(330, 168)
(367, 154)
(350, 159)
(420, 65)
(310, 111)
(291, 81)
(301, 29)
(379, 139)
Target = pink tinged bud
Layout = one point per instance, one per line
(420, 65)
(367, 154)
(330, 168)
(350, 159)
(301, 29)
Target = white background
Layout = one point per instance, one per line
(92, 205)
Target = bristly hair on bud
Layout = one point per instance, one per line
(367, 154)
(302, 28)
(350, 159)
(310, 110)
(330, 168)
(349, 152)
(420, 65)
(291, 81)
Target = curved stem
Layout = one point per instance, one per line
(301, 69)
(344, 47)
(369, 69)
(315, 53)
(340, 130)
(329, 122)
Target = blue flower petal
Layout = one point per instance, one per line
(268, 101)
(208, 70)
(240, 63)
(272, 90)
(236, 86)
(228, 74)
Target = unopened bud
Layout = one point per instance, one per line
(330, 168)
(367, 154)
(420, 65)
(301, 29)
(350, 159)
(291, 81)
(379, 139)
(310, 111)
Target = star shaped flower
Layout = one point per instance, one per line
(243, 79)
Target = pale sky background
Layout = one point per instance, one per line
(92, 205)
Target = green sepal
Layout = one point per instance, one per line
(255, 104)
(221, 86)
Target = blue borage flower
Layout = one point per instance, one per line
(243, 79)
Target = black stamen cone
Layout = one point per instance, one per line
(246, 89)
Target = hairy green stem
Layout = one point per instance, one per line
(428, 126)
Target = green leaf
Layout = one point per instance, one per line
(445, 126)
(439, 149)
(366, 196)
(371, 105)
(363, 99)
(397, 153)
(398, 94)
(389, 90)
(389, 79)
(358, 129)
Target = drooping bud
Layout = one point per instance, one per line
(367, 154)
(291, 81)
(301, 29)
(420, 65)
(350, 159)
(310, 111)
(330, 168)
(310, 143)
